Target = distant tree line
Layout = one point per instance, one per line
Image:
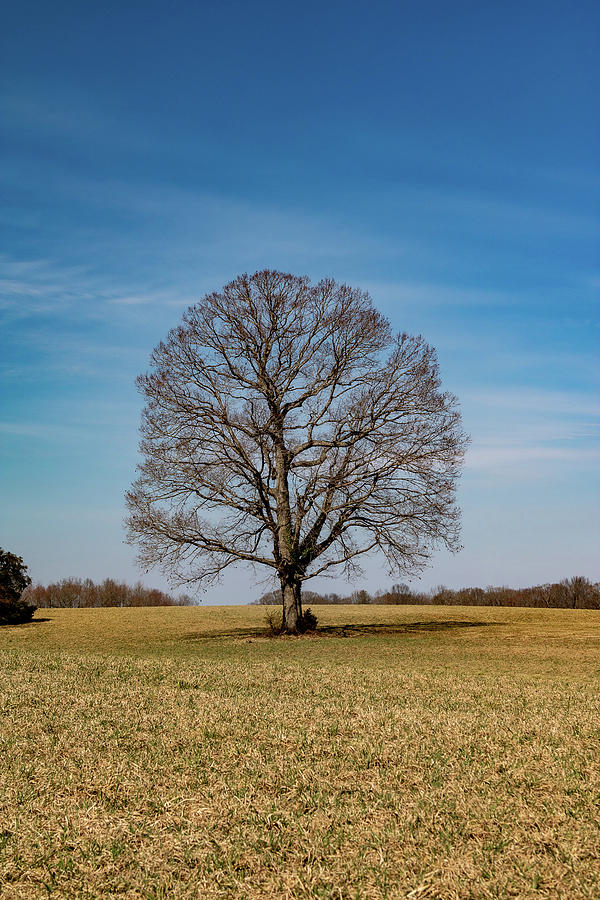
(78, 593)
(570, 593)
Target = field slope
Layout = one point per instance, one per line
(402, 752)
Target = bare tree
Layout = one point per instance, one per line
(286, 425)
(579, 590)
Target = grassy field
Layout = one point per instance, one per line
(402, 752)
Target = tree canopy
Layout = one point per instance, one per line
(287, 426)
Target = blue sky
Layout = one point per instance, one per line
(443, 156)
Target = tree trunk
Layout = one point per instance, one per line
(291, 586)
(292, 606)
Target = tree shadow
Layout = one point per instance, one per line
(233, 633)
(23, 624)
(348, 630)
(369, 628)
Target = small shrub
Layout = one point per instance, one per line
(16, 612)
(308, 622)
(274, 622)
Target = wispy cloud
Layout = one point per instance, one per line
(535, 432)
(38, 286)
(537, 402)
(528, 457)
(39, 431)
(173, 246)
(157, 298)
(494, 215)
(439, 294)
(68, 116)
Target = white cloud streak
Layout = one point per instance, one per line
(529, 457)
(536, 401)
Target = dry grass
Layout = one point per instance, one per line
(404, 752)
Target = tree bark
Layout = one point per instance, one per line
(292, 606)
(291, 586)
